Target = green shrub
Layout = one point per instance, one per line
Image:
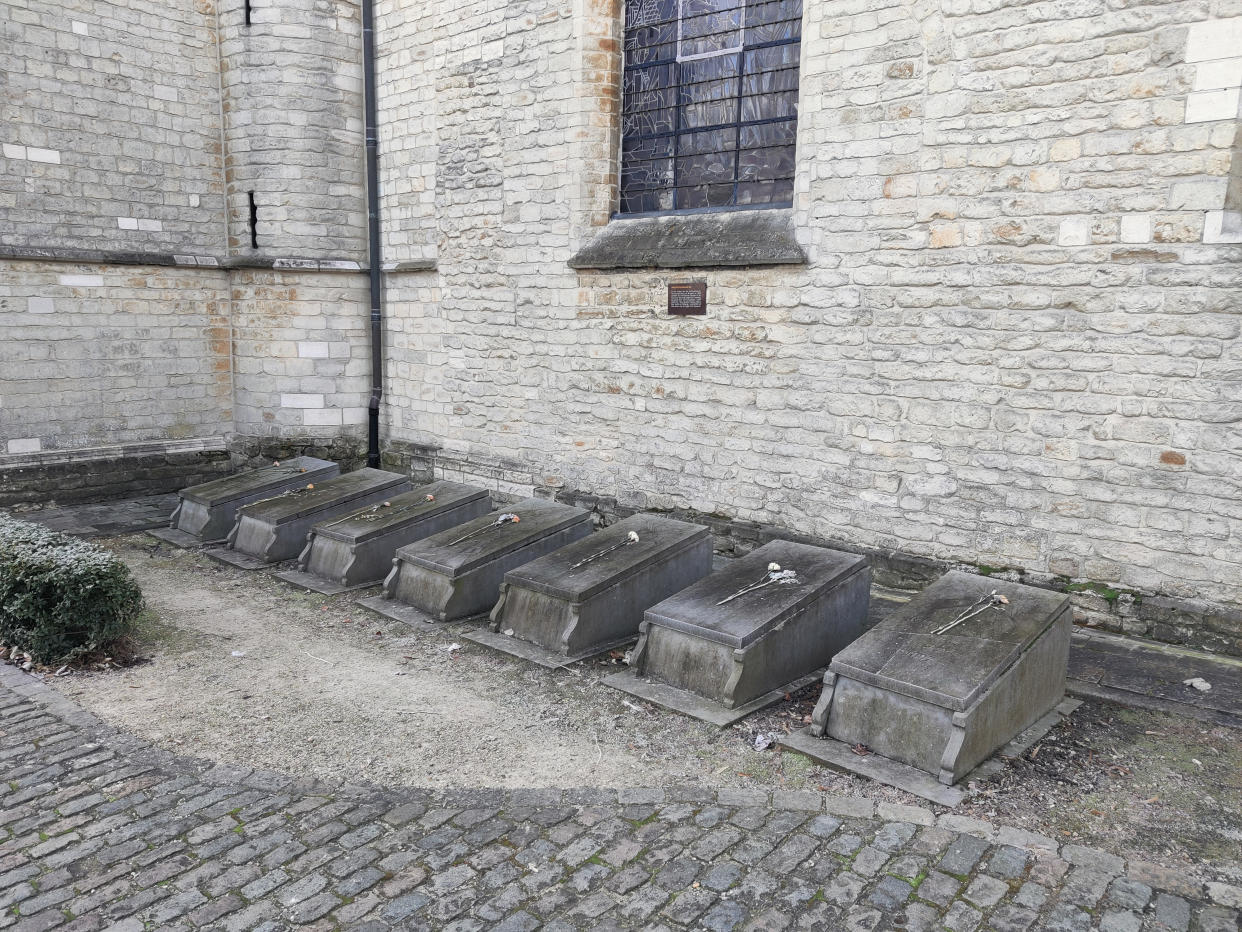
(61, 597)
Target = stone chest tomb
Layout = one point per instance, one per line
(207, 512)
(590, 596)
(951, 676)
(357, 550)
(457, 573)
(736, 640)
(275, 529)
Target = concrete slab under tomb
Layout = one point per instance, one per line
(739, 639)
(206, 513)
(590, 596)
(951, 676)
(357, 550)
(457, 573)
(275, 529)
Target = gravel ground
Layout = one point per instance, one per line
(245, 669)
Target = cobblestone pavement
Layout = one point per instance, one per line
(99, 830)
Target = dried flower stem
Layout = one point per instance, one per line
(632, 539)
(773, 578)
(504, 519)
(992, 600)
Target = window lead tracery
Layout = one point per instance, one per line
(709, 103)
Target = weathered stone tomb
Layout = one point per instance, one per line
(590, 596)
(736, 640)
(207, 512)
(457, 573)
(951, 676)
(357, 550)
(275, 528)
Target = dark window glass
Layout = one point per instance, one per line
(710, 103)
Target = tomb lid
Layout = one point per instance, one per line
(538, 518)
(745, 619)
(399, 511)
(555, 574)
(265, 478)
(952, 669)
(339, 492)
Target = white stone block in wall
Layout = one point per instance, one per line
(82, 281)
(1206, 194)
(151, 226)
(1215, 38)
(126, 223)
(327, 417)
(1074, 231)
(25, 445)
(50, 156)
(311, 349)
(1214, 74)
(355, 415)
(301, 400)
(1221, 227)
(40, 306)
(80, 28)
(1202, 106)
(14, 152)
(1135, 228)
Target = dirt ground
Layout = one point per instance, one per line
(245, 669)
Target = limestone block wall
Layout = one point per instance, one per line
(98, 355)
(110, 137)
(408, 107)
(293, 133)
(1016, 342)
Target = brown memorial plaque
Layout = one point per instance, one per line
(687, 298)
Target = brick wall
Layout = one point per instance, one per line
(116, 147)
(300, 352)
(111, 129)
(293, 132)
(101, 354)
(1015, 343)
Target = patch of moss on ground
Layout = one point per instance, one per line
(151, 632)
(1107, 593)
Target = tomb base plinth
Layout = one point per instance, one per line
(457, 573)
(357, 550)
(862, 762)
(589, 597)
(752, 630)
(942, 699)
(206, 513)
(274, 530)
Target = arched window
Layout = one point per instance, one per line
(710, 104)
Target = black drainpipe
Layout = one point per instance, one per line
(373, 233)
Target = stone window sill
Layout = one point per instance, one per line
(687, 241)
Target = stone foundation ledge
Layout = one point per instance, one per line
(87, 474)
